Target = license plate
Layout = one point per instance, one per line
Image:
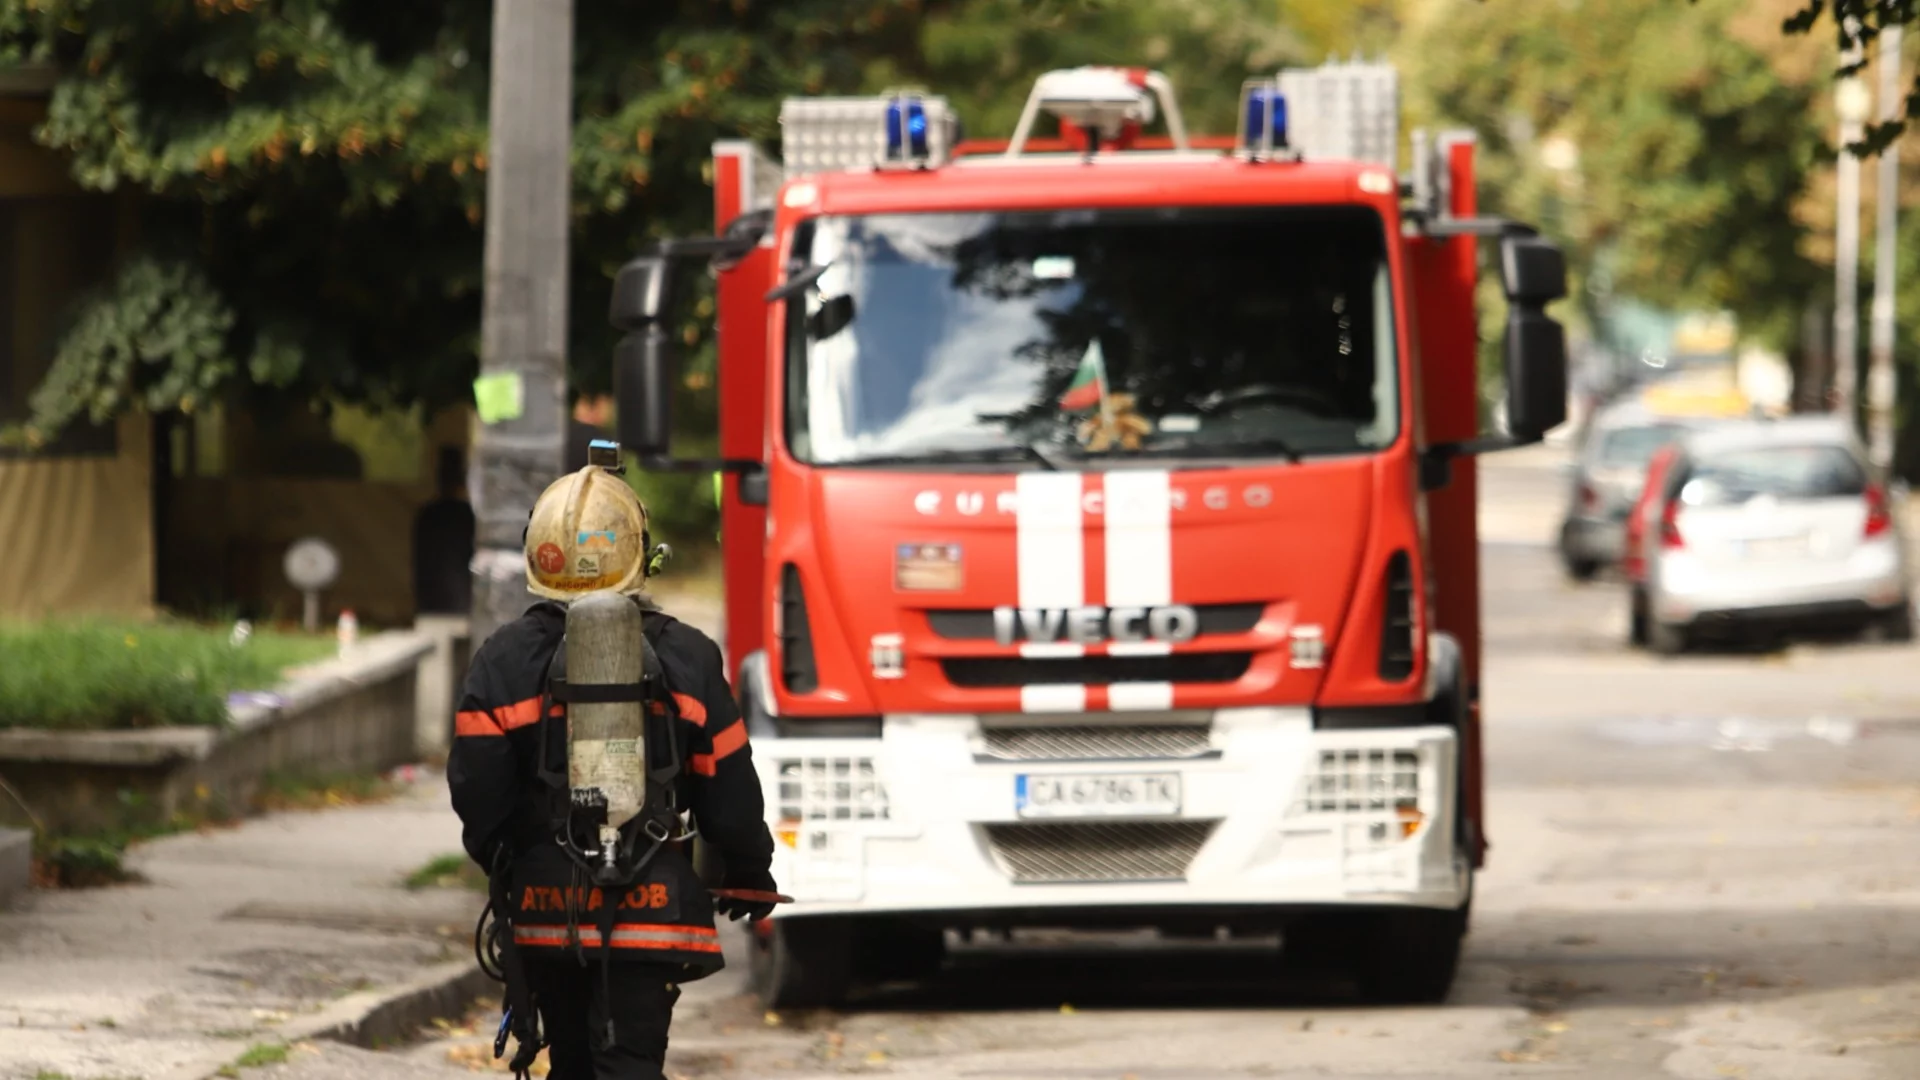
(1775, 547)
(1097, 795)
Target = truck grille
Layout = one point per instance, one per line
(1088, 742)
(982, 672)
(1083, 851)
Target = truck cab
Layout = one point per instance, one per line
(1098, 518)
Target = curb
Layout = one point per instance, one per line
(369, 1018)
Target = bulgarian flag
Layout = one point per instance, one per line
(1089, 387)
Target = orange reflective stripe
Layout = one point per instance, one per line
(725, 743)
(625, 936)
(690, 708)
(519, 714)
(475, 722)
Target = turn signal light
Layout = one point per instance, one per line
(1879, 517)
(1410, 821)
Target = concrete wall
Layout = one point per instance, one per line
(355, 714)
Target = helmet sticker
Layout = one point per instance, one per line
(550, 558)
(596, 540)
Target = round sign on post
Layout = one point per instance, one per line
(311, 565)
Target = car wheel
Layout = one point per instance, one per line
(802, 962)
(1666, 639)
(1896, 625)
(1637, 619)
(1582, 569)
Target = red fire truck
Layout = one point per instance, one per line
(1098, 518)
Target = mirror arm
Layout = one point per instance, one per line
(1436, 461)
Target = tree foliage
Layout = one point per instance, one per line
(1667, 153)
(314, 170)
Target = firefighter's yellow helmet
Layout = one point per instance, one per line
(588, 531)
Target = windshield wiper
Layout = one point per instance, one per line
(1012, 452)
(1266, 444)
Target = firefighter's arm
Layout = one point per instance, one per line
(480, 767)
(725, 789)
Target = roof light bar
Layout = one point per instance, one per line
(1107, 101)
(1344, 112)
(903, 129)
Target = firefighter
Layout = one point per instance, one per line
(602, 1013)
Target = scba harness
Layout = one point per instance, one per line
(575, 820)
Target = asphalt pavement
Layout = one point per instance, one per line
(1701, 867)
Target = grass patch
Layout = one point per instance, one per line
(95, 675)
(319, 791)
(256, 1056)
(448, 872)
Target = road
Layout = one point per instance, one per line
(1702, 867)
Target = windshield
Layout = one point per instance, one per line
(1056, 336)
(1636, 445)
(1784, 472)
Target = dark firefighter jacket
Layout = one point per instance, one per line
(665, 915)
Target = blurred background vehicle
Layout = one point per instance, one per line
(1633, 564)
(1607, 474)
(1776, 526)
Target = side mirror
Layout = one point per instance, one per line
(1533, 273)
(643, 360)
(639, 293)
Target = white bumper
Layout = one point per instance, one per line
(1271, 813)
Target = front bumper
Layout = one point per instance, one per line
(1272, 814)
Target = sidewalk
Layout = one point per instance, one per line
(253, 935)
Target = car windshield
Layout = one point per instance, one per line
(1731, 477)
(1635, 446)
(1051, 339)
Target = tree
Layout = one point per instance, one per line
(1651, 139)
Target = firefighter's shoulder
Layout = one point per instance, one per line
(517, 652)
(686, 646)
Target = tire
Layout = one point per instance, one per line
(802, 963)
(1895, 625)
(886, 950)
(1411, 955)
(1666, 639)
(1580, 569)
(1637, 619)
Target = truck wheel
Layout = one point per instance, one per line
(802, 962)
(1411, 954)
(894, 949)
(1666, 639)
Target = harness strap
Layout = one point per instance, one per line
(521, 1019)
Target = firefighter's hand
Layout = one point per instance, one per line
(737, 909)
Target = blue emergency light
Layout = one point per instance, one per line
(906, 128)
(1266, 112)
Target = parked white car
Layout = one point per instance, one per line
(1772, 526)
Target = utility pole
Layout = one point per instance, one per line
(519, 448)
(1880, 379)
(1850, 101)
